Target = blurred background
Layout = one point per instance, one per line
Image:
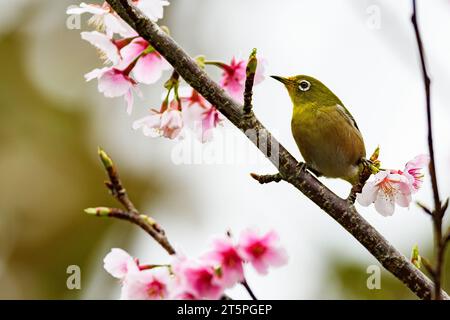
(51, 122)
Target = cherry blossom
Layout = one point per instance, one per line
(104, 19)
(387, 189)
(261, 251)
(153, 9)
(119, 263)
(211, 118)
(148, 64)
(199, 114)
(234, 75)
(113, 83)
(225, 255)
(147, 285)
(413, 171)
(106, 46)
(198, 278)
(167, 123)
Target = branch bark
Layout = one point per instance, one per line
(131, 214)
(339, 209)
(439, 209)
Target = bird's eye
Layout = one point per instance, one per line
(304, 85)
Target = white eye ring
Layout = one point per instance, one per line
(304, 85)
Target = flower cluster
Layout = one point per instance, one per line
(391, 187)
(131, 61)
(206, 277)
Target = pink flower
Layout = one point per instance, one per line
(171, 123)
(211, 119)
(147, 285)
(102, 42)
(168, 123)
(149, 65)
(261, 251)
(184, 295)
(387, 189)
(198, 278)
(150, 125)
(234, 75)
(113, 83)
(153, 9)
(104, 18)
(119, 263)
(225, 256)
(192, 98)
(413, 171)
(199, 114)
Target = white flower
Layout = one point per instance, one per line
(153, 9)
(104, 44)
(104, 18)
(387, 189)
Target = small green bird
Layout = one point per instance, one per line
(324, 130)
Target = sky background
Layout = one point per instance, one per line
(52, 122)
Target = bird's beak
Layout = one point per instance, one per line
(284, 81)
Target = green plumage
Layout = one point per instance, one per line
(324, 130)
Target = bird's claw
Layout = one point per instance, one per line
(301, 166)
(372, 166)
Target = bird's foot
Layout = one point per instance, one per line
(302, 166)
(372, 166)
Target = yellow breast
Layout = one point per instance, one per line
(328, 141)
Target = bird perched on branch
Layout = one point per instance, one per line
(324, 130)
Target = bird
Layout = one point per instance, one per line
(325, 131)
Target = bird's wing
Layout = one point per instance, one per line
(347, 115)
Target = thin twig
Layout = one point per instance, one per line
(130, 213)
(252, 64)
(249, 290)
(268, 178)
(115, 184)
(427, 265)
(424, 208)
(339, 209)
(438, 212)
(143, 221)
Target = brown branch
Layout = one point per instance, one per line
(268, 178)
(249, 290)
(339, 209)
(143, 221)
(438, 212)
(424, 208)
(114, 184)
(130, 213)
(252, 64)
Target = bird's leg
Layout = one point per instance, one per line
(302, 166)
(316, 173)
(369, 167)
(367, 163)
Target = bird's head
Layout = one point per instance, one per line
(305, 89)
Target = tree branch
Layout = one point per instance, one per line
(249, 290)
(252, 64)
(339, 209)
(438, 212)
(145, 222)
(130, 213)
(268, 178)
